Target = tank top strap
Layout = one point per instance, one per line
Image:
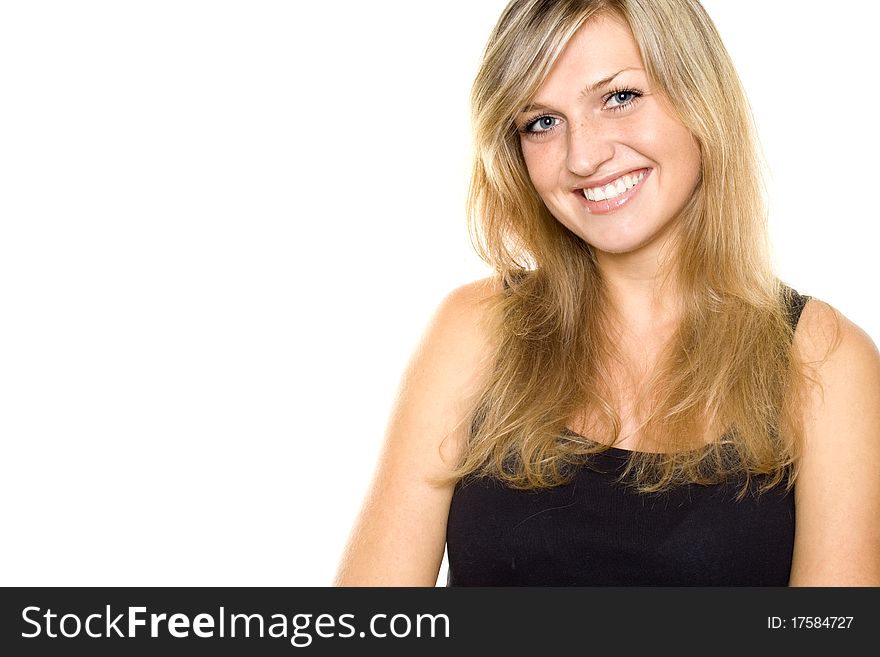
(513, 277)
(795, 303)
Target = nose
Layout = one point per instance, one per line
(588, 148)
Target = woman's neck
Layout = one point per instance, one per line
(641, 287)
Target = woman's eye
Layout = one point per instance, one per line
(622, 98)
(542, 124)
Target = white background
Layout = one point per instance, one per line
(224, 226)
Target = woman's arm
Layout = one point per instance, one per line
(837, 493)
(400, 534)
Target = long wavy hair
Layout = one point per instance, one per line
(728, 371)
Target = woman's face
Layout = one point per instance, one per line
(577, 139)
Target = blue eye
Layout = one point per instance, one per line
(541, 124)
(623, 97)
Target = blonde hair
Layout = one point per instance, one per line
(729, 368)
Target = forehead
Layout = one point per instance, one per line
(601, 47)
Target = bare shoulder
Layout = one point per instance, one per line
(843, 356)
(837, 492)
(846, 363)
(823, 330)
(399, 536)
(465, 308)
(448, 367)
(459, 335)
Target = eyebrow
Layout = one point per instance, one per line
(586, 91)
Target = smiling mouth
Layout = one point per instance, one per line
(614, 188)
(608, 198)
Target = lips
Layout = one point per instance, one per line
(607, 206)
(601, 182)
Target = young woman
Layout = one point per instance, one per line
(635, 398)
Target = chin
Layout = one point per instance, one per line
(615, 250)
(628, 237)
(617, 245)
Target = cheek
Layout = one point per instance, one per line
(682, 148)
(691, 161)
(539, 164)
(697, 158)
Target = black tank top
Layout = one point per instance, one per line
(595, 531)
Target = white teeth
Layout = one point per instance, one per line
(613, 190)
